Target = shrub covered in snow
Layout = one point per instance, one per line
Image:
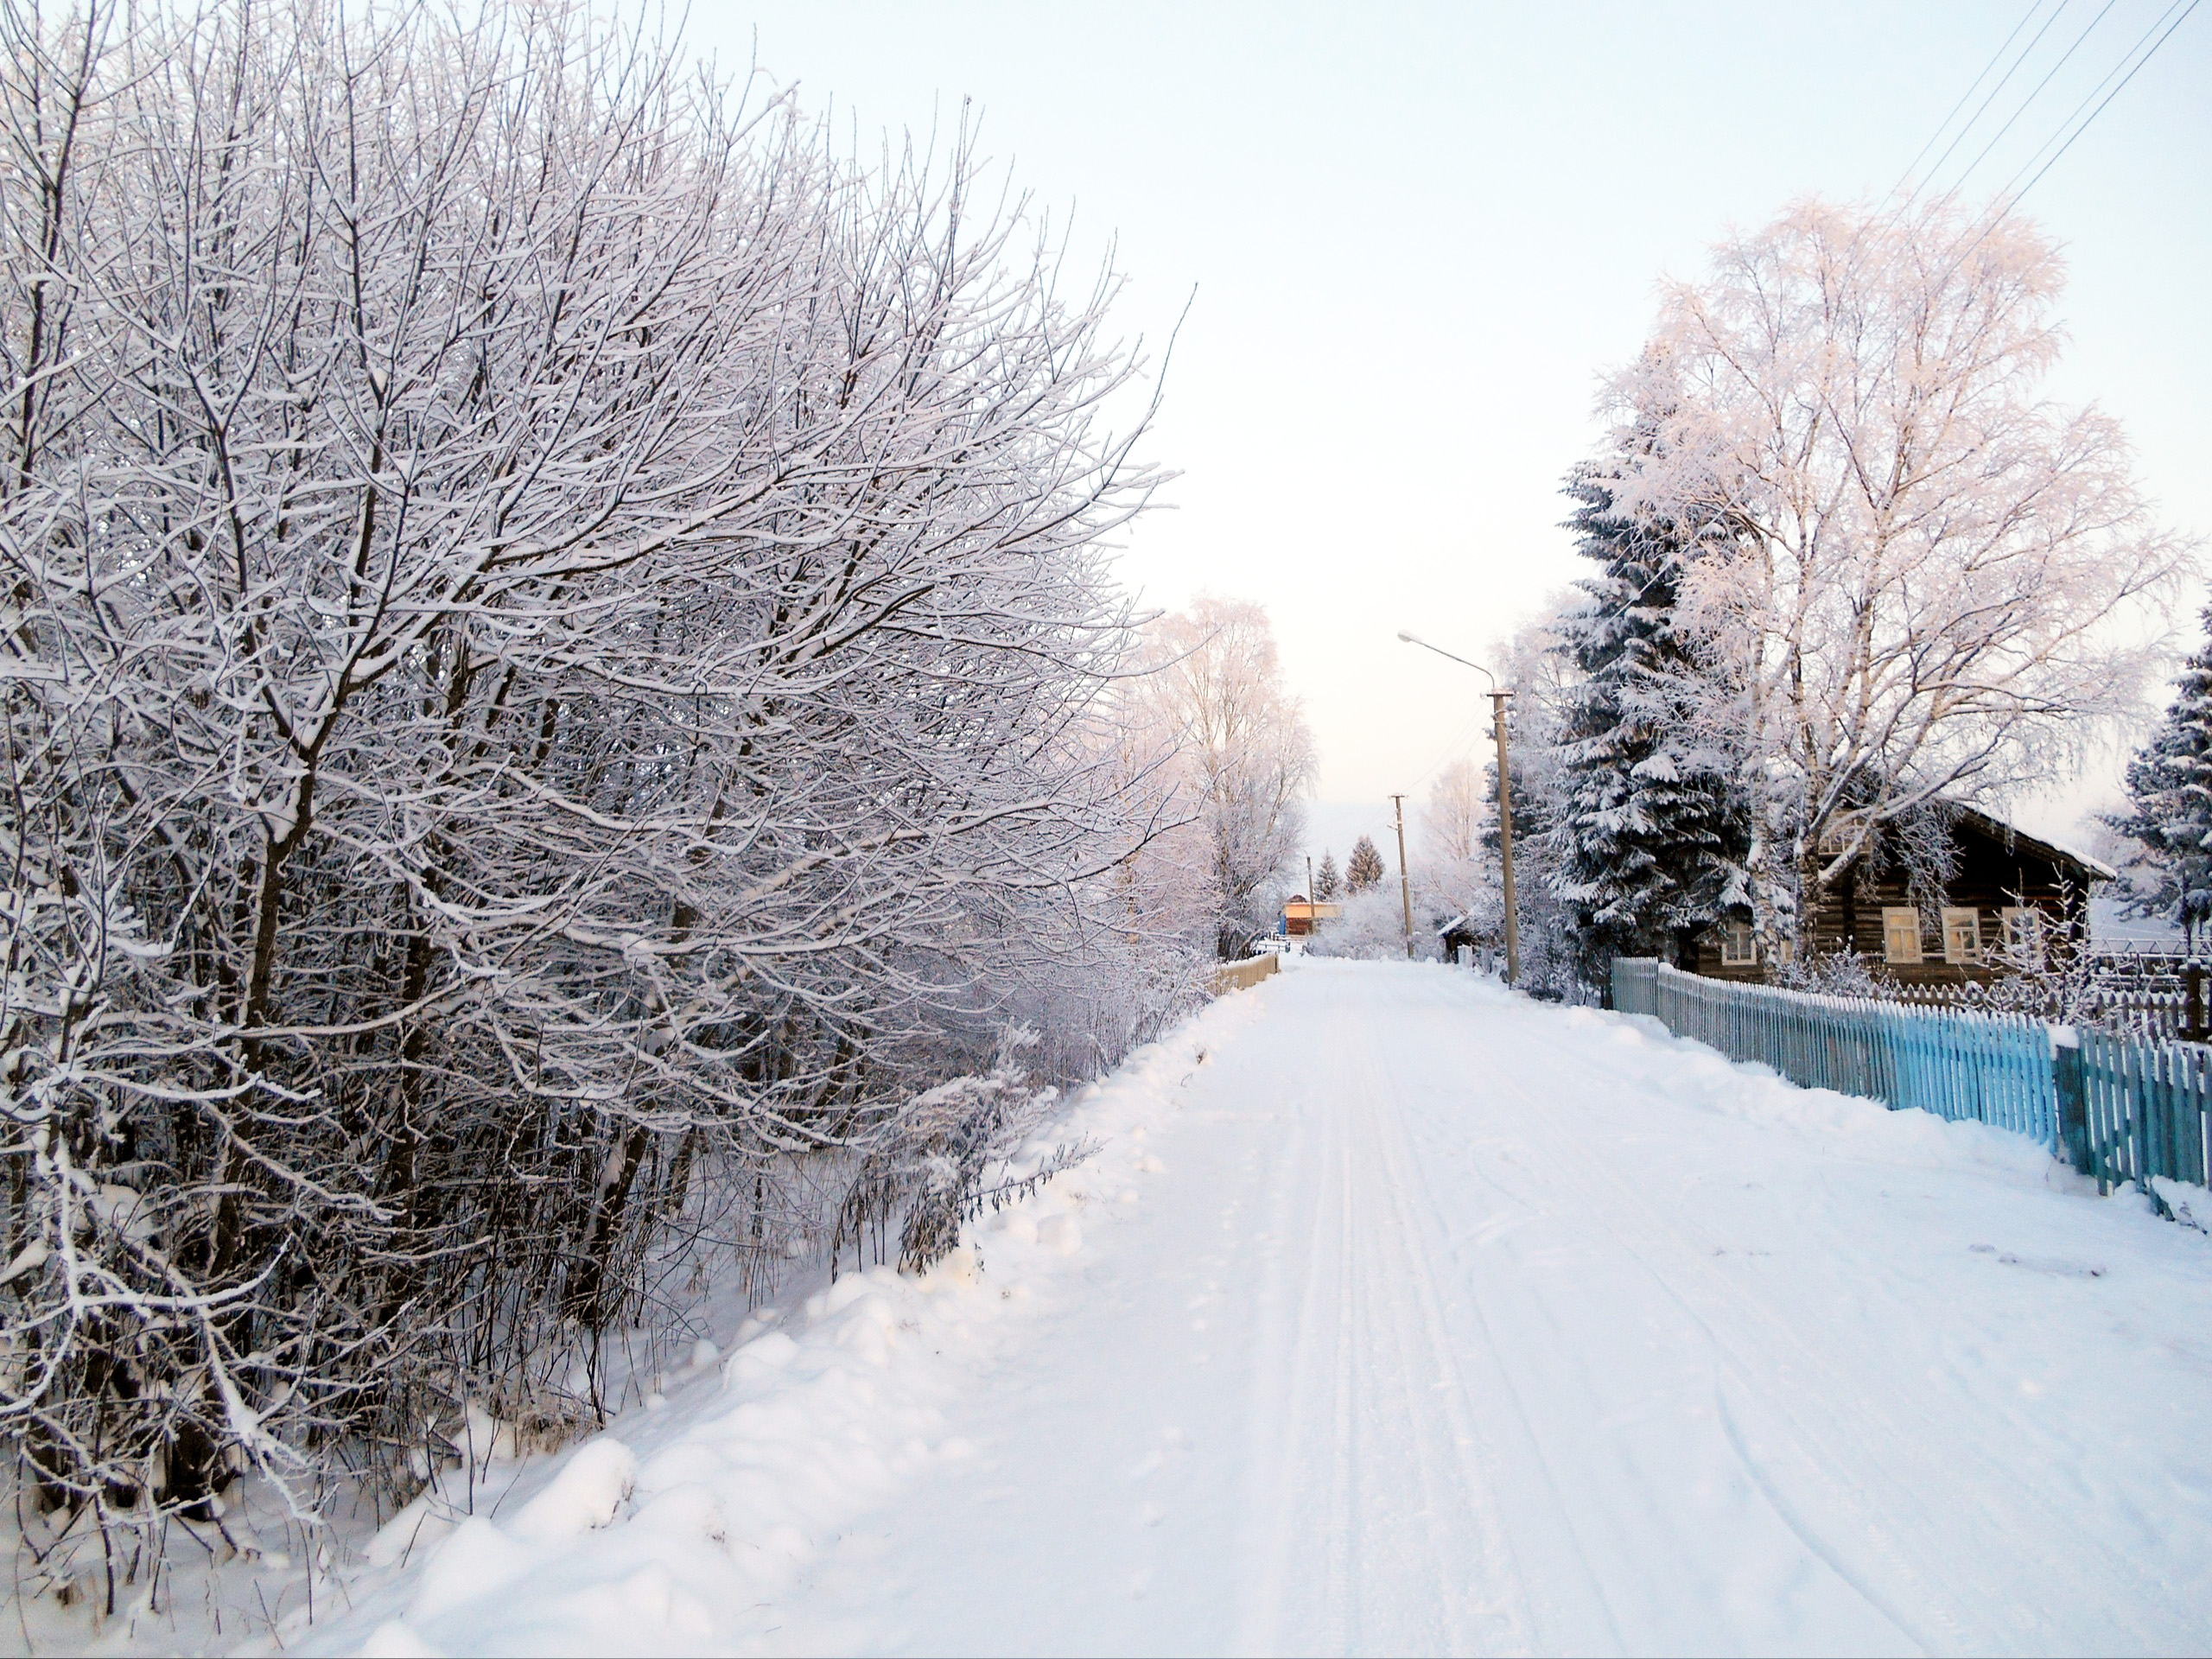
(558, 639)
(1373, 928)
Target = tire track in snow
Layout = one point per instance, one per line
(1435, 1384)
(1369, 1370)
(1305, 1387)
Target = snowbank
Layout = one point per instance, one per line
(1695, 1075)
(650, 1536)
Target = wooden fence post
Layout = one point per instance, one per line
(2192, 979)
(2073, 1096)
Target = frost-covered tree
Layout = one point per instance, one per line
(1649, 831)
(2170, 800)
(556, 682)
(1451, 835)
(1237, 755)
(1545, 682)
(1929, 579)
(1364, 868)
(1326, 882)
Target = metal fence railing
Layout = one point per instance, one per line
(2122, 1108)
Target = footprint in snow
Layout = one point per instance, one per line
(2048, 1264)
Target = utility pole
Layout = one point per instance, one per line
(1498, 701)
(1312, 901)
(1405, 882)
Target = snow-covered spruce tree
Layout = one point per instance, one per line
(1326, 882)
(554, 683)
(1364, 868)
(1935, 582)
(2170, 802)
(1648, 830)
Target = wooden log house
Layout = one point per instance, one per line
(1301, 916)
(2010, 894)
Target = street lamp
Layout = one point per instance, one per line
(1498, 701)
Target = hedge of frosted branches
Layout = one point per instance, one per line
(552, 651)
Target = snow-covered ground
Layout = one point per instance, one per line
(1399, 1314)
(2113, 929)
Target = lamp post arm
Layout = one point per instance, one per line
(1415, 640)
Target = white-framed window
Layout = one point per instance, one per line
(2024, 935)
(1961, 934)
(1900, 933)
(1740, 946)
(1838, 835)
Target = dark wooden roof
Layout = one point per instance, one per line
(2081, 865)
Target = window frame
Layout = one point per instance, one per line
(1969, 917)
(1892, 917)
(1740, 945)
(1837, 835)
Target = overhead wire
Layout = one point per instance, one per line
(2007, 199)
(2185, 7)
(2063, 58)
(1944, 126)
(1980, 110)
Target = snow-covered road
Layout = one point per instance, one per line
(1414, 1318)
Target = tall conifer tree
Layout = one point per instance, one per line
(1365, 868)
(1650, 832)
(2170, 789)
(1325, 882)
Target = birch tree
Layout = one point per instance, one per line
(1927, 579)
(1242, 765)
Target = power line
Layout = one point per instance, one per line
(1984, 156)
(2147, 57)
(1983, 106)
(1944, 126)
(2004, 205)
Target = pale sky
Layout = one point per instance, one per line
(1417, 236)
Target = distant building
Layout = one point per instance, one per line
(1300, 916)
(2010, 896)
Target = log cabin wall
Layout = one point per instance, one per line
(1996, 870)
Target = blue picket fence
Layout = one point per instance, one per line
(1993, 1068)
(2122, 1108)
(2146, 1111)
